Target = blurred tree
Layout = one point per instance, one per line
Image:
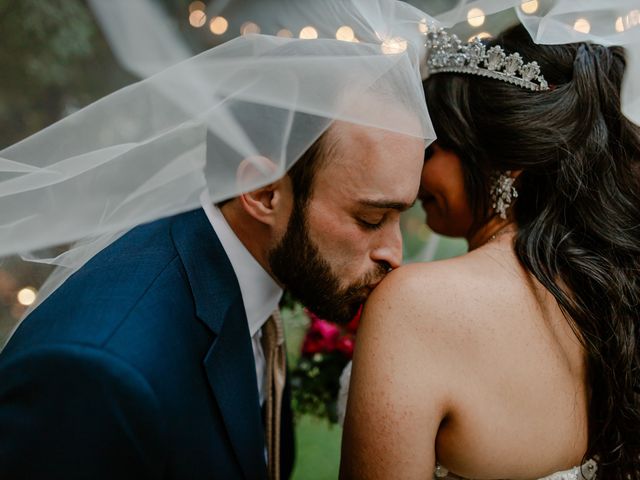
(53, 61)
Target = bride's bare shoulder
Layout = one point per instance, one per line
(424, 294)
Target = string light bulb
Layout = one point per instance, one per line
(197, 5)
(285, 33)
(631, 20)
(249, 27)
(308, 33)
(475, 17)
(27, 296)
(345, 33)
(530, 7)
(394, 45)
(481, 36)
(197, 18)
(582, 25)
(218, 25)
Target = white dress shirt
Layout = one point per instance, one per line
(260, 293)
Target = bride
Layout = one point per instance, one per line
(520, 358)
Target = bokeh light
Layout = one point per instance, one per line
(345, 33)
(582, 25)
(529, 7)
(249, 27)
(27, 296)
(633, 19)
(394, 45)
(197, 18)
(284, 33)
(481, 36)
(197, 5)
(475, 17)
(308, 33)
(218, 25)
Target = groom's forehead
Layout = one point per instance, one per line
(350, 148)
(346, 144)
(368, 163)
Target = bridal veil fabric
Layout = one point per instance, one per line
(237, 116)
(148, 150)
(228, 120)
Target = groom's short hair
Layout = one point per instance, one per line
(304, 170)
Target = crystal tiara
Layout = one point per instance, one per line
(446, 53)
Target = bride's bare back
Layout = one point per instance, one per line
(471, 362)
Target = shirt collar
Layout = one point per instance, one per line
(260, 293)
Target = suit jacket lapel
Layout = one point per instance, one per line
(229, 364)
(233, 380)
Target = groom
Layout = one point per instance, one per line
(149, 362)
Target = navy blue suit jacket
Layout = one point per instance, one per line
(139, 366)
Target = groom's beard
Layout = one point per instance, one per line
(298, 264)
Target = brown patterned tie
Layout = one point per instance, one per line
(275, 356)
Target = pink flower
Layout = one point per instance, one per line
(321, 337)
(345, 345)
(352, 326)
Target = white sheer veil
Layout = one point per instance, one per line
(149, 150)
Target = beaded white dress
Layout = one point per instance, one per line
(584, 472)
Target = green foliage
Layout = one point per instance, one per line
(54, 60)
(315, 383)
(42, 40)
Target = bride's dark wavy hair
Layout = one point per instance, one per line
(578, 210)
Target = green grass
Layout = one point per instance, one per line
(317, 450)
(317, 442)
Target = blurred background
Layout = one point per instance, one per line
(58, 56)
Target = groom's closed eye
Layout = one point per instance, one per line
(398, 205)
(376, 212)
(371, 225)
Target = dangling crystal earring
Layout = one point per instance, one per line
(502, 192)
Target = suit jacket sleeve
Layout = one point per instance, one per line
(77, 412)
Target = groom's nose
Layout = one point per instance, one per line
(389, 250)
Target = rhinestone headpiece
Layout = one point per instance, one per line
(446, 53)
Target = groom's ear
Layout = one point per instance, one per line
(268, 204)
(271, 204)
